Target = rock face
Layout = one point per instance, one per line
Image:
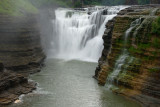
(139, 75)
(12, 85)
(20, 47)
(20, 55)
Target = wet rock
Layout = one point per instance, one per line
(20, 54)
(140, 75)
(12, 85)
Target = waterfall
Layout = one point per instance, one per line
(153, 12)
(78, 35)
(124, 55)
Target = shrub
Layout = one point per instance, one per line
(156, 27)
(78, 4)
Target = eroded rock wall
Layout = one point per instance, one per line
(20, 47)
(20, 54)
(140, 74)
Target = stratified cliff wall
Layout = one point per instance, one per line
(20, 54)
(20, 46)
(139, 75)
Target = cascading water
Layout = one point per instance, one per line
(153, 12)
(124, 55)
(78, 35)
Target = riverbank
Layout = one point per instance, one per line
(12, 85)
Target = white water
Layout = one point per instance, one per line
(153, 12)
(124, 55)
(78, 35)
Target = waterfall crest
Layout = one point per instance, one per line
(78, 35)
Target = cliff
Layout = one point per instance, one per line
(20, 48)
(20, 55)
(135, 58)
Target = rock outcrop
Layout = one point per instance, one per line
(139, 76)
(12, 85)
(20, 54)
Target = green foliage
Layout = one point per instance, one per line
(156, 27)
(92, 2)
(139, 48)
(122, 2)
(16, 7)
(41, 3)
(134, 50)
(141, 2)
(78, 4)
(144, 46)
(156, 43)
(153, 70)
(113, 2)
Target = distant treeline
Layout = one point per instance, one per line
(121, 2)
(125, 2)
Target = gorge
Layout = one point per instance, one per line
(66, 44)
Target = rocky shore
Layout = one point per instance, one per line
(21, 54)
(139, 76)
(12, 85)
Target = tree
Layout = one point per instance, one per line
(131, 2)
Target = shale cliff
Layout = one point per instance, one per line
(20, 55)
(139, 72)
(20, 47)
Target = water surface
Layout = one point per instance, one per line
(70, 84)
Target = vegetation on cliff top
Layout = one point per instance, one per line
(16, 7)
(41, 3)
(21, 7)
(122, 2)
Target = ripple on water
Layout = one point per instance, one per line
(70, 84)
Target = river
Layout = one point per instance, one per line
(70, 84)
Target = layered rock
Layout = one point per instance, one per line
(12, 85)
(139, 75)
(20, 47)
(20, 54)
